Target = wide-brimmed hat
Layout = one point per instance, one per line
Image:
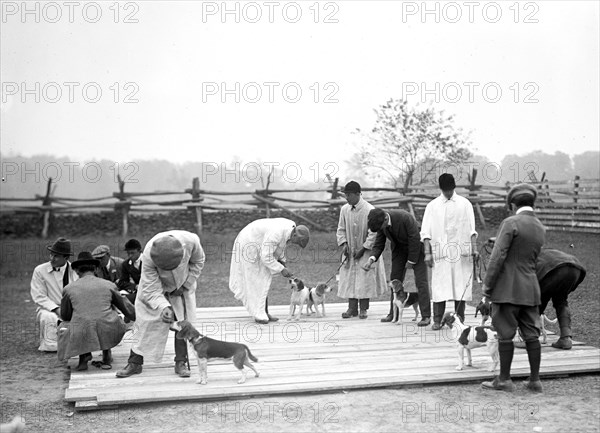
(521, 189)
(166, 252)
(61, 246)
(100, 251)
(85, 258)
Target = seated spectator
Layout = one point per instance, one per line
(90, 320)
(110, 267)
(47, 283)
(131, 269)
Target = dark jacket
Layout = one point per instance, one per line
(113, 273)
(404, 236)
(130, 276)
(511, 274)
(551, 259)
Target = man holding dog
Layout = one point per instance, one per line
(357, 241)
(511, 284)
(47, 283)
(258, 254)
(449, 238)
(171, 264)
(401, 228)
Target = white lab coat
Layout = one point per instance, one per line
(254, 261)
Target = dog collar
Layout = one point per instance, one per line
(195, 341)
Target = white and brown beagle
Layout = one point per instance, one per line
(403, 299)
(316, 297)
(205, 348)
(300, 294)
(472, 337)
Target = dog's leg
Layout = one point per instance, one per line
(416, 308)
(461, 354)
(469, 360)
(543, 329)
(297, 317)
(292, 310)
(400, 314)
(323, 308)
(202, 366)
(394, 312)
(248, 364)
(493, 351)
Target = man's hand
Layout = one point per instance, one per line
(346, 249)
(429, 259)
(286, 274)
(57, 312)
(487, 293)
(485, 301)
(367, 266)
(167, 315)
(358, 254)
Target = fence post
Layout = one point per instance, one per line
(196, 205)
(47, 202)
(123, 205)
(576, 190)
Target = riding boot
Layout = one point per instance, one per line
(352, 309)
(459, 307)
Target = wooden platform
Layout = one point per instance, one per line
(312, 355)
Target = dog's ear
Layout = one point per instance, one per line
(396, 285)
(300, 284)
(448, 319)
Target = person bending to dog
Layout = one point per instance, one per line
(47, 284)
(512, 286)
(258, 254)
(357, 241)
(171, 264)
(449, 238)
(402, 230)
(90, 321)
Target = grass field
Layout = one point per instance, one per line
(38, 379)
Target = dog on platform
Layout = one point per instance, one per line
(205, 348)
(300, 294)
(316, 297)
(403, 299)
(472, 337)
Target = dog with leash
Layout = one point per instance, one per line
(472, 337)
(403, 299)
(205, 348)
(316, 297)
(300, 295)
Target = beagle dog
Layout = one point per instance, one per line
(402, 300)
(205, 348)
(316, 297)
(472, 337)
(300, 294)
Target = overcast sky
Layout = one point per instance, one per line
(175, 62)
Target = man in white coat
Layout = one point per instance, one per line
(258, 254)
(171, 264)
(47, 283)
(353, 235)
(449, 238)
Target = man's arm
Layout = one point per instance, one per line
(150, 289)
(66, 308)
(196, 263)
(125, 282)
(503, 242)
(39, 292)
(414, 238)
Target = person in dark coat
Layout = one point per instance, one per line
(559, 274)
(90, 321)
(402, 230)
(131, 270)
(110, 267)
(511, 284)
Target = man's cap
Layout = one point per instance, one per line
(303, 234)
(446, 182)
(100, 251)
(166, 252)
(133, 244)
(521, 189)
(61, 246)
(375, 219)
(352, 187)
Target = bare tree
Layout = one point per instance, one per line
(408, 144)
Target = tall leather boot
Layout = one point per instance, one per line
(181, 358)
(364, 306)
(438, 314)
(390, 315)
(563, 314)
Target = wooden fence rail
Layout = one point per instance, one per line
(562, 205)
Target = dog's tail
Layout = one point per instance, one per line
(548, 321)
(250, 355)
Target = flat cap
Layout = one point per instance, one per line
(521, 189)
(166, 252)
(100, 251)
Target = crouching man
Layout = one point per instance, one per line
(171, 264)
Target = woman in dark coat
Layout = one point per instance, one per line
(91, 322)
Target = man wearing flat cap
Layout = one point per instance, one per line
(258, 254)
(110, 267)
(354, 236)
(47, 283)
(171, 264)
(511, 284)
(449, 238)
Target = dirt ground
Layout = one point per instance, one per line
(33, 383)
